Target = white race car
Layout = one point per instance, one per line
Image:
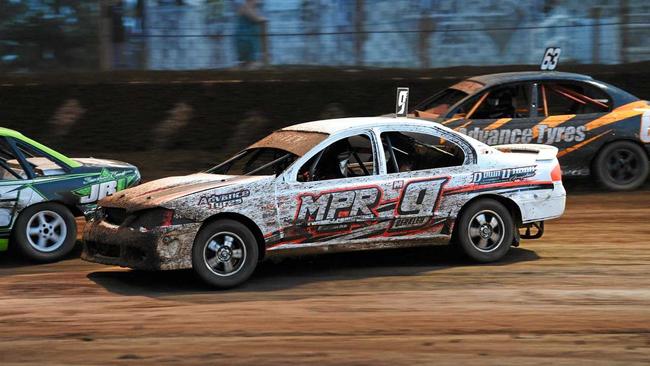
(344, 184)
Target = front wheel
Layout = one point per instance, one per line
(45, 232)
(485, 231)
(225, 253)
(621, 166)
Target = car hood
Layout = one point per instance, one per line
(159, 192)
(102, 163)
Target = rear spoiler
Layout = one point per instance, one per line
(544, 152)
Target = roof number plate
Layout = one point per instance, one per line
(551, 58)
(402, 104)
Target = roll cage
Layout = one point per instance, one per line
(12, 148)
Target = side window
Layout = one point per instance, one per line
(512, 101)
(410, 151)
(346, 158)
(42, 164)
(10, 168)
(573, 98)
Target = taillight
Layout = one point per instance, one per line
(556, 174)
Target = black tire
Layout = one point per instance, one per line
(59, 223)
(470, 221)
(212, 252)
(621, 166)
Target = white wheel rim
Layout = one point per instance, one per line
(46, 231)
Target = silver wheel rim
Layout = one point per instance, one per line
(46, 231)
(224, 254)
(486, 231)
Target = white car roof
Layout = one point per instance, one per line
(333, 126)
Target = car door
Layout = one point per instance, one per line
(333, 193)
(420, 164)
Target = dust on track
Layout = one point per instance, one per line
(580, 294)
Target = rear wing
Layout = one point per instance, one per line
(544, 152)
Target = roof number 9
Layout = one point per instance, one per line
(551, 58)
(402, 102)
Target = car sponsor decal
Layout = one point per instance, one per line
(215, 201)
(540, 134)
(494, 187)
(503, 175)
(106, 183)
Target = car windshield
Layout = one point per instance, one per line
(439, 104)
(271, 155)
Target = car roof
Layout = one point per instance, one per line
(10, 133)
(506, 77)
(7, 132)
(333, 126)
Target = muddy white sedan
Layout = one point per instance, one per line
(334, 185)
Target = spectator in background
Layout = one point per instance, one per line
(248, 33)
(140, 15)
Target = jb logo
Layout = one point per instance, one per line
(99, 191)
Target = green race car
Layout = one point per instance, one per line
(41, 192)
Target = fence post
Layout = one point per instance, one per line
(425, 28)
(105, 35)
(358, 28)
(595, 14)
(625, 20)
(265, 44)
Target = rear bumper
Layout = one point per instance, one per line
(545, 205)
(158, 249)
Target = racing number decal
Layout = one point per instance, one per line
(551, 58)
(420, 197)
(644, 134)
(414, 208)
(402, 102)
(99, 191)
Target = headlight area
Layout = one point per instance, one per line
(151, 218)
(142, 220)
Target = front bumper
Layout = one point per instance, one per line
(158, 249)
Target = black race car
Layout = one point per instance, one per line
(599, 129)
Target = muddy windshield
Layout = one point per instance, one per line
(256, 161)
(271, 155)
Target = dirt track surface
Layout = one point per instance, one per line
(581, 294)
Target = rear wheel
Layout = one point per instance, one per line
(45, 232)
(485, 230)
(621, 166)
(225, 253)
